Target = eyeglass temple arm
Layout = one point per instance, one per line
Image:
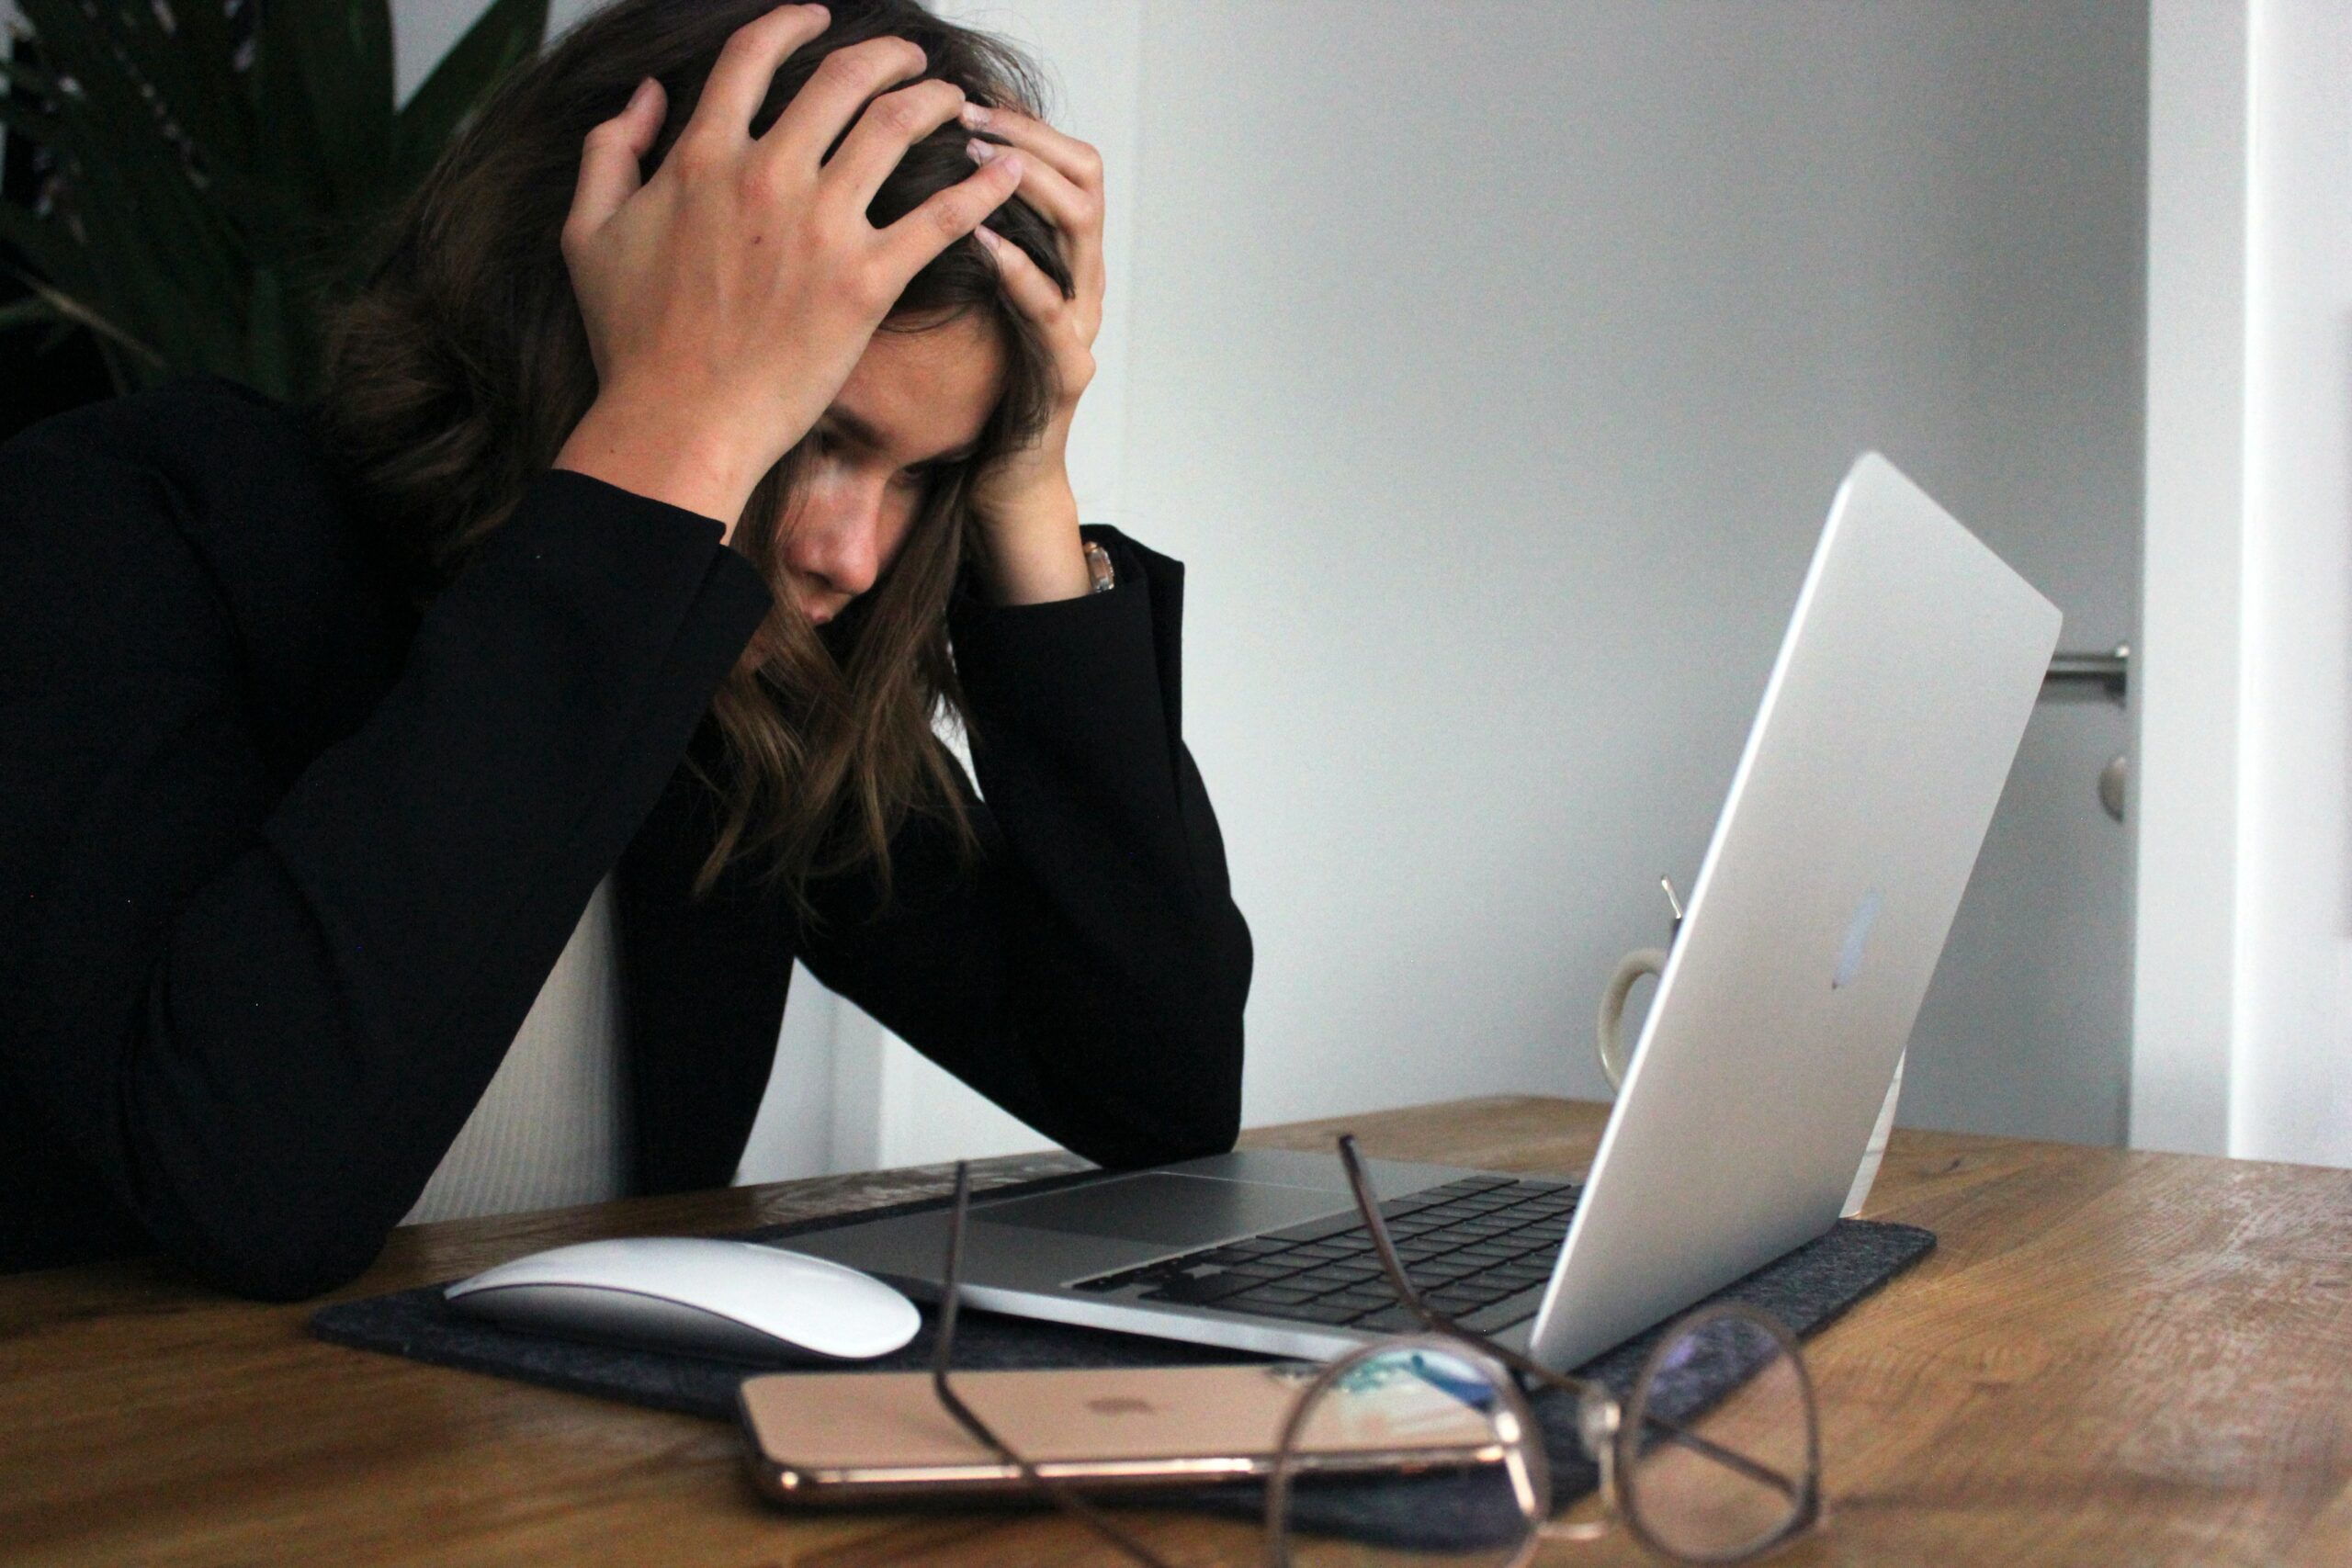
(943, 1354)
(1368, 1205)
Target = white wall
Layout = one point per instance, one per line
(2246, 1039)
(1492, 372)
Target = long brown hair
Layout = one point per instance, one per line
(460, 367)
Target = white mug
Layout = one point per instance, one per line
(1609, 1042)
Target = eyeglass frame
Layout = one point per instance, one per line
(1602, 1428)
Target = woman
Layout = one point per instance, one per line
(681, 461)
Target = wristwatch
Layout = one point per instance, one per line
(1098, 566)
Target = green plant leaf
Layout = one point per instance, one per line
(111, 337)
(129, 184)
(49, 251)
(26, 312)
(204, 33)
(25, 79)
(146, 220)
(192, 67)
(335, 57)
(269, 337)
(506, 34)
(286, 140)
(20, 116)
(220, 209)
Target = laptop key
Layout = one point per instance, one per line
(1353, 1273)
(1395, 1318)
(1316, 1230)
(1486, 1202)
(1268, 1296)
(1201, 1290)
(1516, 1307)
(1318, 1312)
(1320, 1281)
(1398, 1208)
(1362, 1298)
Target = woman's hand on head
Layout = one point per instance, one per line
(727, 298)
(1023, 499)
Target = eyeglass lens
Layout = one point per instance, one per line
(1459, 1481)
(1712, 1476)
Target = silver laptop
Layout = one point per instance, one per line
(1887, 731)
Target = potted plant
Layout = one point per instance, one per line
(209, 170)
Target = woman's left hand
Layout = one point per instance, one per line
(1024, 500)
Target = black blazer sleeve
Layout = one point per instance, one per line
(260, 1013)
(1089, 973)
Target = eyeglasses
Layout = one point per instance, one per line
(1714, 1456)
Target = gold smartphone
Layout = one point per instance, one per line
(866, 1437)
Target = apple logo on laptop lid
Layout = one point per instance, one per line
(1857, 933)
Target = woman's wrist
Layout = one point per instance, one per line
(663, 458)
(1034, 553)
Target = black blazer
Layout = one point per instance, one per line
(283, 863)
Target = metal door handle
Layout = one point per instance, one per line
(2111, 670)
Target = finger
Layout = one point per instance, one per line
(909, 245)
(1063, 205)
(823, 108)
(739, 81)
(1075, 161)
(878, 141)
(1076, 215)
(1036, 295)
(612, 160)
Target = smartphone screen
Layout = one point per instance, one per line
(832, 1436)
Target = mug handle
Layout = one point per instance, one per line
(1609, 1028)
(1608, 1041)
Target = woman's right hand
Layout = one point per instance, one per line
(727, 297)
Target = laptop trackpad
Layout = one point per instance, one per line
(1173, 1211)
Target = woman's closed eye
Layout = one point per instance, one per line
(824, 442)
(922, 476)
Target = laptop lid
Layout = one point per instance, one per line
(1887, 728)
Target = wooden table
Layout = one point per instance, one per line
(2114, 1357)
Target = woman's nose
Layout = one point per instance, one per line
(839, 537)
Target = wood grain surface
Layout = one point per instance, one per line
(2112, 1358)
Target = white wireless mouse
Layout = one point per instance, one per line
(703, 1296)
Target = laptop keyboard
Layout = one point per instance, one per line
(1474, 1248)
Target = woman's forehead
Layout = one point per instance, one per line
(919, 395)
